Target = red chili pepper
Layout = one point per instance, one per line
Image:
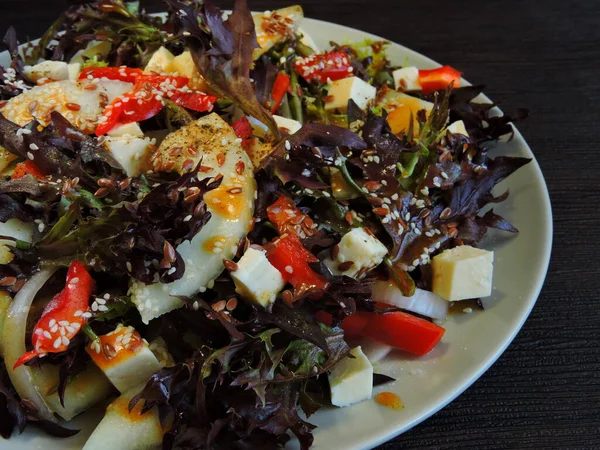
(320, 67)
(27, 168)
(195, 101)
(440, 78)
(286, 216)
(112, 73)
(280, 87)
(291, 259)
(63, 317)
(145, 101)
(243, 130)
(398, 329)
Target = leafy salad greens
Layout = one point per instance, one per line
(206, 221)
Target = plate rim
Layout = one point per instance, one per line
(386, 433)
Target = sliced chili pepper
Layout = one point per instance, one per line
(440, 78)
(398, 329)
(27, 168)
(280, 87)
(322, 66)
(286, 217)
(243, 130)
(112, 73)
(289, 256)
(195, 101)
(63, 317)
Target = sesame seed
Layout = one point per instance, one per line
(417, 231)
(468, 310)
(288, 146)
(187, 218)
(171, 271)
(102, 308)
(54, 329)
(289, 269)
(94, 306)
(444, 175)
(30, 155)
(129, 267)
(33, 147)
(86, 315)
(57, 342)
(415, 262)
(78, 313)
(47, 334)
(52, 323)
(195, 306)
(106, 296)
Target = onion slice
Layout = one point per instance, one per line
(422, 302)
(24, 378)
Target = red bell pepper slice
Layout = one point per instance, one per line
(286, 217)
(63, 317)
(440, 78)
(319, 67)
(243, 130)
(289, 256)
(27, 168)
(397, 329)
(280, 88)
(112, 73)
(195, 101)
(353, 325)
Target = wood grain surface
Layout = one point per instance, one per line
(544, 392)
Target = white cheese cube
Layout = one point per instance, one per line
(374, 350)
(341, 91)
(160, 61)
(463, 272)
(131, 152)
(51, 70)
(256, 280)
(351, 379)
(458, 127)
(124, 357)
(363, 249)
(407, 79)
(127, 129)
(289, 125)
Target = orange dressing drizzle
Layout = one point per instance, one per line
(227, 200)
(389, 400)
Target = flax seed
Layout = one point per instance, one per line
(73, 106)
(100, 193)
(446, 213)
(240, 167)
(220, 159)
(230, 265)
(231, 304)
(346, 265)
(219, 306)
(381, 211)
(169, 252)
(287, 297)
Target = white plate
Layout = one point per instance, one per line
(472, 343)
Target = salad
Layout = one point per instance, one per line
(216, 228)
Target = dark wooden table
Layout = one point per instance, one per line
(544, 392)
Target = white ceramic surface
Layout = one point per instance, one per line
(472, 341)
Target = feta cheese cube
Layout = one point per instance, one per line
(124, 357)
(407, 79)
(341, 91)
(458, 127)
(363, 249)
(402, 107)
(127, 129)
(133, 153)
(256, 280)
(52, 70)
(289, 125)
(351, 379)
(463, 272)
(160, 61)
